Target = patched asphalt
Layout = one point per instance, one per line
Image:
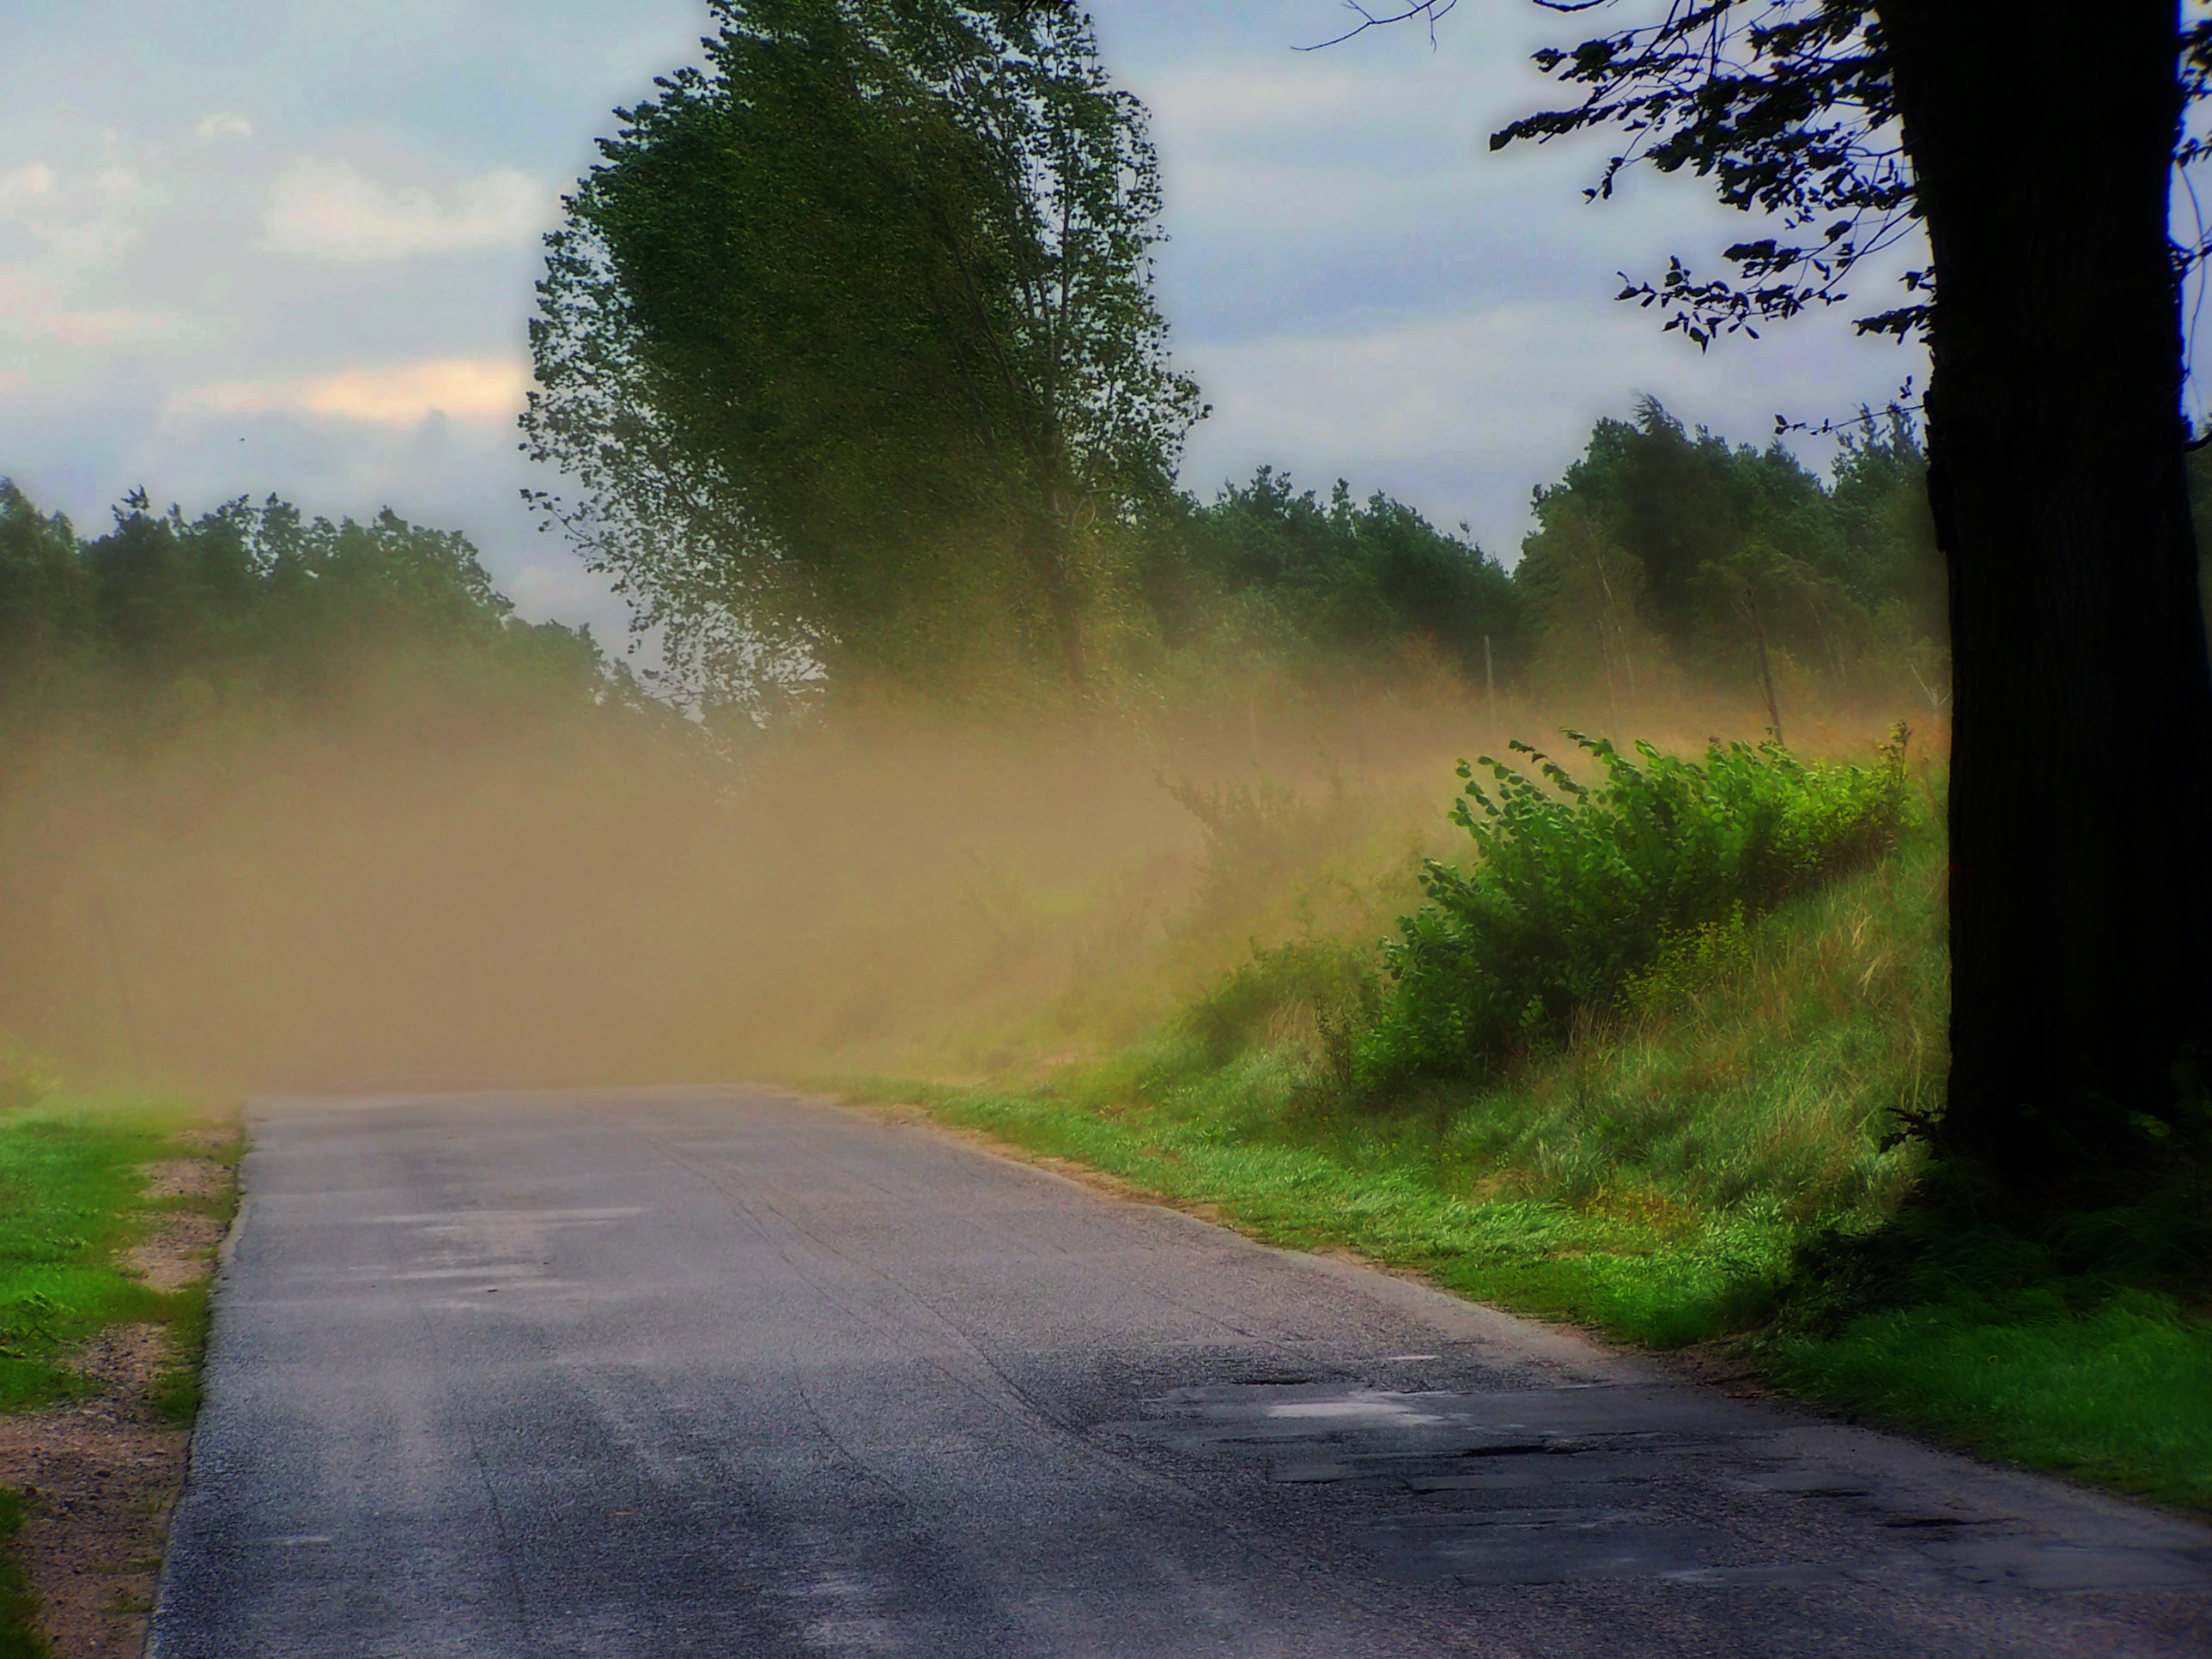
(727, 1372)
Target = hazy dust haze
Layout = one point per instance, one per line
(418, 896)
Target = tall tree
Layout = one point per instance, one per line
(850, 343)
(2035, 145)
(1349, 578)
(1744, 558)
(259, 606)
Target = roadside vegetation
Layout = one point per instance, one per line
(75, 1199)
(1649, 1063)
(20, 1638)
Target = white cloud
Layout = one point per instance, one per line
(90, 243)
(224, 124)
(115, 325)
(328, 210)
(22, 291)
(472, 389)
(30, 183)
(87, 220)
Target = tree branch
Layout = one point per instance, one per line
(1430, 9)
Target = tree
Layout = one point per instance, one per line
(1586, 591)
(1880, 494)
(1349, 580)
(261, 606)
(2035, 145)
(44, 601)
(849, 341)
(1744, 559)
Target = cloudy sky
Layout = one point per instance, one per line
(289, 245)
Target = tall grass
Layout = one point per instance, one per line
(1577, 889)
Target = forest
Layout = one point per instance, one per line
(1667, 566)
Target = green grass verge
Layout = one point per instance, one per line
(73, 1199)
(2118, 1395)
(1661, 1180)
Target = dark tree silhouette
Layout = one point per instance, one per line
(2035, 147)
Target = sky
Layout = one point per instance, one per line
(289, 245)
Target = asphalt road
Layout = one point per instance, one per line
(694, 1372)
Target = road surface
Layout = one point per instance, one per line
(731, 1373)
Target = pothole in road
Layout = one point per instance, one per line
(1545, 1486)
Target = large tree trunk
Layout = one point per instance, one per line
(2041, 136)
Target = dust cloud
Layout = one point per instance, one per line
(424, 894)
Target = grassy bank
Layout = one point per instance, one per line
(1712, 1163)
(73, 1199)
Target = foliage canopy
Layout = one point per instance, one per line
(164, 616)
(849, 342)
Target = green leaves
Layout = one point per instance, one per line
(249, 605)
(1576, 889)
(1786, 109)
(849, 345)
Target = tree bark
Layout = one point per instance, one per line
(1765, 665)
(1046, 546)
(2041, 136)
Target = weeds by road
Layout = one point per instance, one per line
(110, 1207)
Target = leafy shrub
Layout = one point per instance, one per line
(1576, 889)
(1685, 963)
(1333, 986)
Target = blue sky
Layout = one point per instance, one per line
(290, 246)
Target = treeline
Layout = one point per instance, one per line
(849, 352)
(1664, 560)
(261, 608)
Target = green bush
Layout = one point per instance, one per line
(1331, 985)
(1575, 889)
